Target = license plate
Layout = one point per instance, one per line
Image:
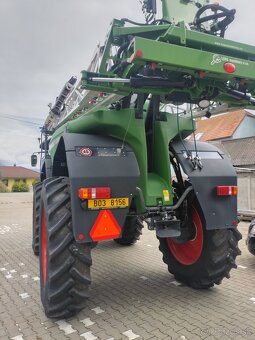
(109, 203)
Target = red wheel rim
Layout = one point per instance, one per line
(44, 247)
(189, 252)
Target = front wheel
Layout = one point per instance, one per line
(206, 258)
(64, 264)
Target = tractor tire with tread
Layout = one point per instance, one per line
(250, 241)
(36, 217)
(64, 264)
(217, 257)
(132, 231)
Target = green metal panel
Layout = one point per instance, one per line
(152, 31)
(207, 42)
(189, 59)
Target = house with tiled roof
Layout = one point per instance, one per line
(233, 133)
(11, 174)
(230, 125)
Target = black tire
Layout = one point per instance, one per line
(36, 217)
(132, 231)
(217, 257)
(64, 264)
(250, 241)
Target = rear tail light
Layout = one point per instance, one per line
(94, 193)
(227, 191)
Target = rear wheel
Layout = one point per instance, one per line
(251, 238)
(132, 231)
(64, 264)
(204, 259)
(36, 217)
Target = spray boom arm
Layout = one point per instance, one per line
(183, 58)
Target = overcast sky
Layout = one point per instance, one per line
(44, 42)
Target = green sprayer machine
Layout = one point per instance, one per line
(116, 157)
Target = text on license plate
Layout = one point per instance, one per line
(108, 203)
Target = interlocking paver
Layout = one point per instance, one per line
(153, 308)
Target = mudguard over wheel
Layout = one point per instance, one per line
(205, 259)
(132, 231)
(64, 264)
(36, 217)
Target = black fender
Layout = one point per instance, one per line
(92, 161)
(46, 169)
(219, 212)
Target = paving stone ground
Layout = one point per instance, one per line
(132, 295)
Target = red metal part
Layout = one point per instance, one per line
(44, 247)
(189, 252)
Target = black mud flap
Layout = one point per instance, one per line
(96, 161)
(219, 211)
(46, 169)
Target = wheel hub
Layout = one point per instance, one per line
(188, 251)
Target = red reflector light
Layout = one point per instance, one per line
(227, 191)
(153, 67)
(106, 227)
(94, 193)
(229, 67)
(201, 74)
(139, 54)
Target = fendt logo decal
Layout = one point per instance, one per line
(86, 152)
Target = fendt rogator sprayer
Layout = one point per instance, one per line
(116, 154)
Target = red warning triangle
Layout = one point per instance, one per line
(106, 227)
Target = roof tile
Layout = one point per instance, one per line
(221, 126)
(17, 172)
